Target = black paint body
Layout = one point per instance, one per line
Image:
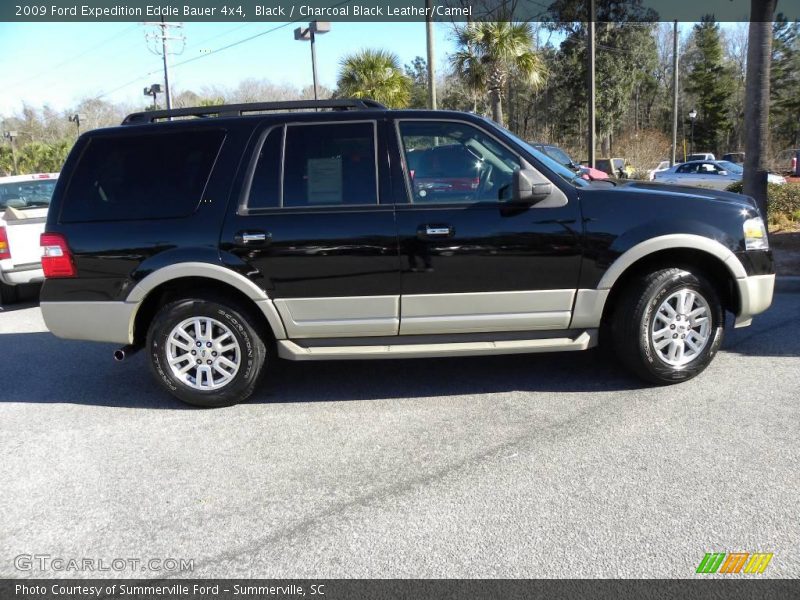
(382, 249)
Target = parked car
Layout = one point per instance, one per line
(717, 174)
(700, 156)
(662, 166)
(615, 167)
(24, 200)
(200, 240)
(787, 161)
(734, 157)
(562, 157)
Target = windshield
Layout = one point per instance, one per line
(731, 167)
(27, 194)
(566, 174)
(558, 154)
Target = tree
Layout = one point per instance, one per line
(374, 74)
(756, 108)
(626, 67)
(489, 53)
(710, 82)
(785, 83)
(417, 72)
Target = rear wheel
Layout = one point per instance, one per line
(9, 294)
(206, 352)
(668, 326)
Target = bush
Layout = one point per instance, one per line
(783, 201)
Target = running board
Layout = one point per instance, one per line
(293, 351)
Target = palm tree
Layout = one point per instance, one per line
(374, 74)
(489, 53)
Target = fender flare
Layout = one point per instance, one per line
(210, 271)
(673, 241)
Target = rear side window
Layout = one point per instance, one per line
(157, 175)
(330, 165)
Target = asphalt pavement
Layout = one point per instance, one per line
(512, 466)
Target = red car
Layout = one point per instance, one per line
(558, 155)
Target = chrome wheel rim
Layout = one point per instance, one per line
(681, 327)
(203, 353)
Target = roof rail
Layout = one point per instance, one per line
(237, 110)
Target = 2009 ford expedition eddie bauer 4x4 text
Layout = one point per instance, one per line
(211, 236)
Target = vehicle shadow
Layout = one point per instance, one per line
(85, 373)
(28, 298)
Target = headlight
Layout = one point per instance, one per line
(755, 234)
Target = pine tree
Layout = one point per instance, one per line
(785, 84)
(711, 85)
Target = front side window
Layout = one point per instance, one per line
(330, 165)
(455, 162)
(154, 175)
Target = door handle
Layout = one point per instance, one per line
(437, 230)
(252, 238)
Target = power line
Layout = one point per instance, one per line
(215, 51)
(75, 57)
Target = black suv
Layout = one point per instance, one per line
(220, 237)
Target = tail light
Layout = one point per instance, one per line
(56, 257)
(794, 166)
(5, 249)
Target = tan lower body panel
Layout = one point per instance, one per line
(293, 351)
(486, 311)
(339, 317)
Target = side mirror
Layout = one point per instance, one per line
(528, 187)
(722, 173)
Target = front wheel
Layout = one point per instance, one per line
(206, 352)
(668, 326)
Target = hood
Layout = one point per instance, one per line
(652, 187)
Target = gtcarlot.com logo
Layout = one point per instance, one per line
(734, 562)
(48, 562)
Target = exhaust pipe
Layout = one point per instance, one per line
(126, 352)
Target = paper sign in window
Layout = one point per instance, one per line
(325, 180)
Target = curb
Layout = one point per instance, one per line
(787, 284)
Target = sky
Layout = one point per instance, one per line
(60, 63)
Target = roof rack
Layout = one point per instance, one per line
(237, 110)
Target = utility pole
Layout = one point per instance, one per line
(11, 136)
(77, 118)
(674, 92)
(431, 66)
(592, 88)
(164, 37)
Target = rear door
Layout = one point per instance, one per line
(472, 260)
(315, 221)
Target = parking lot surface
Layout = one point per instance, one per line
(512, 466)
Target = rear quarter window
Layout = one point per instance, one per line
(126, 177)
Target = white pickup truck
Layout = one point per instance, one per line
(24, 200)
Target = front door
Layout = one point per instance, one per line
(472, 259)
(316, 225)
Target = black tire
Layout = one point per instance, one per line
(9, 294)
(635, 316)
(241, 324)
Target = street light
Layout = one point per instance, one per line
(77, 118)
(692, 118)
(153, 91)
(309, 34)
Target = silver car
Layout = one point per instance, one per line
(715, 174)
